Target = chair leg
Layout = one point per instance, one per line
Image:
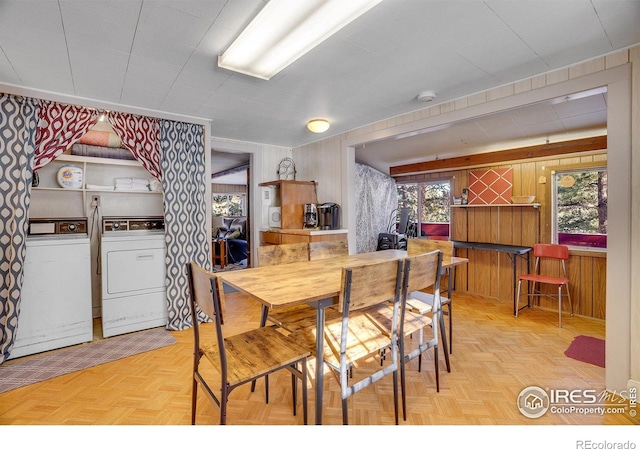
(263, 322)
(294, 393)
(266, 387)
(223, 405)
(194, 400)
(403, 389)
(569, 298)
(304, 391)
(395, 394)
(450, 328)
(345, 417)
(559, 305)
(518, 298)
(437, 367)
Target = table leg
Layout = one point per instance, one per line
(320, 318)
(319, 362)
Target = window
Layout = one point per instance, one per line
(223, 205)
(428, 205)
(579, 200)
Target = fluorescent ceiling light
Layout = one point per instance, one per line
(284, 30)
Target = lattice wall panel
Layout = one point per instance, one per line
(491, 186)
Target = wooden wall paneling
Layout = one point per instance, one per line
(516, 233)
(543, 181)
(506, 226)
(471, 224)
(599, 287)
(529, 226)
(585, 292)
(579, 289)
(480, 277)
(494, 273)
(505, 274)
(494, 224)
(528, 180)
(481, 228)
(461, 280)
(459, 227)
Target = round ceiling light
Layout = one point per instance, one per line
(318, 125)
(426, 96)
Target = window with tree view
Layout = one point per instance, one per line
(428, 204)
(580, 207)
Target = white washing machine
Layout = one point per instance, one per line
(134, 293)
(55, 304)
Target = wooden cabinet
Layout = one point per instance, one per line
(283, 236)
(291, 196)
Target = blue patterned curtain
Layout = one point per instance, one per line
(18, 119)
(184, 186)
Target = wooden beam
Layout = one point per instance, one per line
(230, 171)
(497, 157)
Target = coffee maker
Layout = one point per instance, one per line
(310, 218)
(329, 216)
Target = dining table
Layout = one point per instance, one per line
(316, 283)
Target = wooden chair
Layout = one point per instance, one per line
(241, 358)
(357, 335)
(420, 272)
(549, 252)
(281, 254)
(421, 301)
(294, 318)
(325, 250)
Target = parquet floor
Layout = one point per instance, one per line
(495, 356)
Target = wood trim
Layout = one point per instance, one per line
(497, 157)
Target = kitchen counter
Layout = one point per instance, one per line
(277, 236)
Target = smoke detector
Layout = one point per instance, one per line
(426, 96)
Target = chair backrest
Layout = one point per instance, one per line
(422, 271)
(281, 254)
(371, 284)
(325, 250)
(421, 246)
(206, 294)
(551, 251)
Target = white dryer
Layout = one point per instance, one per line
(134, 293)
(55, 304)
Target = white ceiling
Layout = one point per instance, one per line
(162, 55)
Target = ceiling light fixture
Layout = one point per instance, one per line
(284, 30)
(426, 96)
(318, 125)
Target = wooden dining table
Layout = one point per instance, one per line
(315, 283)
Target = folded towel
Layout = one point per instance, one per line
(135, 188)
(155, 185)
(98, 187)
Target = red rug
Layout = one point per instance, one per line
(587, 349)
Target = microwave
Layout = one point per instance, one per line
(275, 217)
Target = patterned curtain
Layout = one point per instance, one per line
(184, 186)
(376, 199)
(140, 136)
(18, 119)
(60, 126)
